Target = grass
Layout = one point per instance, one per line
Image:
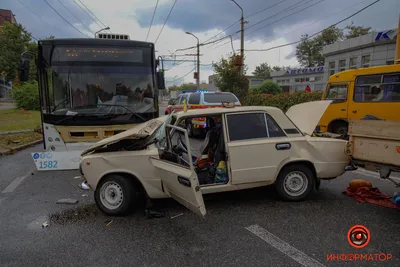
(14, 119)
(11, 141)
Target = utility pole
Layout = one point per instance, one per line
(242, 22)
(198, 60)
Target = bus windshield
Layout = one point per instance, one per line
(114, 89)
(97, 81)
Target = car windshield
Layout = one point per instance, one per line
(160, 133)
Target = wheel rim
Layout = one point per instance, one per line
(295, 183)
(111, 195)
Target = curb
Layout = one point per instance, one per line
(19, 131)
(21, 147)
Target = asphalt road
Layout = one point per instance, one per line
(247, 228)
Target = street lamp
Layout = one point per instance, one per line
(104, 29)
(241, 37)
(198, 59)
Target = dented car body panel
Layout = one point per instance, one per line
(250, 163)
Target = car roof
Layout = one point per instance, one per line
(195, 112)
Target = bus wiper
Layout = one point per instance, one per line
(137, 115)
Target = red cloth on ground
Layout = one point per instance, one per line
(373, 195)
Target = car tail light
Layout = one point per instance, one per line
(398, 149)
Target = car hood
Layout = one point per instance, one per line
(307, 115)
(138, 131)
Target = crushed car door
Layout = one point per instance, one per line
(179, 179)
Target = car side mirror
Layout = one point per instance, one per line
(24, 70)
(160, 80)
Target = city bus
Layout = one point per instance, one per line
(358, 93)
(91, 89)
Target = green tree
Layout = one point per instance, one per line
(309, 50)
(267, 87)
(355, 31)
(26, 96)
(14, 40)
(229, 78)
(262, 70)
(278, 68)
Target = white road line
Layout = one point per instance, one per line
(374, 174)
(284, 247)
(14, 184)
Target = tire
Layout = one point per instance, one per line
(289, 177)
(340, 128)
(116, 195)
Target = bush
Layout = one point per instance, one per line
(267, 87)
(283, 101)
(26, 96)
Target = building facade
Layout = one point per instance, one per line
(298, 79)
(7, 15)
(373, 49)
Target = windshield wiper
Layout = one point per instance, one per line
(112, 105)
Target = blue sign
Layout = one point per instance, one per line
(386, 35)
(306, 70)
(36, 155)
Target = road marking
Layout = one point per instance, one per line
(14, 184)
(284, 247)
(374, 174)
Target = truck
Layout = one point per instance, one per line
(375, 145)
(374, 136)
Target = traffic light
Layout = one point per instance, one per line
(195, 75)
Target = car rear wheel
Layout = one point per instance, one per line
(295, 182)
(115, 195)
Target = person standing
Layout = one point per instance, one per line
(308, 89)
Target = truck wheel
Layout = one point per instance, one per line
(115, 195)
(295, 182)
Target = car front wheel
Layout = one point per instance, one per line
(115, 195)
(295, 182)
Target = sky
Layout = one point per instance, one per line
(268, 24)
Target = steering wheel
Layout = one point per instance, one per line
(180, 147)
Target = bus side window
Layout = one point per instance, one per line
(337, 92)
(377, 88)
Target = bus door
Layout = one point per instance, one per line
(339, 94)
(377, 95)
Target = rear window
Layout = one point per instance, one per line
(194, 98)
(219, 98)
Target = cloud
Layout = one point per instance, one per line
(205, 19)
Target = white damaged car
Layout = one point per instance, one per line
(245, 147)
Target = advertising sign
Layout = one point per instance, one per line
(306, 70)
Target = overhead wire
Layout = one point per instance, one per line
(93, 14)
(65, 19)
(260, 28)
(165, 22)
(308, 37)
(152, 18)
(27, 7)
(88, 14)
(233, 24)
(180, 78)
(76, 17)
(330, 15)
